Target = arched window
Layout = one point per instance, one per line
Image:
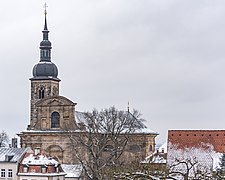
(41, 93)
(55, 120)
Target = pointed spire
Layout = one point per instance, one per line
(45, 27)
(45, 45)
(45, 69)
(128, 107)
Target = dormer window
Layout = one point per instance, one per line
(44, 168)
(25, 168)
(57, 169)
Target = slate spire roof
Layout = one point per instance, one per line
(45, 69)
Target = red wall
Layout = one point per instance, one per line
(195, 138)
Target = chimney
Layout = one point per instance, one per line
(37, 151)
(14, 142)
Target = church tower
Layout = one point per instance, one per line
(53, 117)
(44, 82)
(48, 110)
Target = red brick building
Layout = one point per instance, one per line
(194, 152)
(40, 167)
(196, 138)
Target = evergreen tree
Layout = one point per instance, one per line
(220, 173)
(222, 163)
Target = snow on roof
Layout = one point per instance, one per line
(42, 131)
(163, 147)
(159, 156)
(41, 174)
(11, 154)
(145, 131)
(39, 160)
(72, 170)
(80, 118)
(206, 158)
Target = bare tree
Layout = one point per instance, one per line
(182, 168)
(102, 139)
(4, 139)
(188, 169)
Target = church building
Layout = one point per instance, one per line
(52, 116)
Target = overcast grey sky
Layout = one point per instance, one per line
(166, 57)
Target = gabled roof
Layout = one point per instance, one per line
(35, 163)
(55, 100)
(11, 154)
(80, 118)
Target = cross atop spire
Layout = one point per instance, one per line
(45, 6)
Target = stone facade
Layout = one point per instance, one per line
(39, 90)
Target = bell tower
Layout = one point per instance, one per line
(45, 81)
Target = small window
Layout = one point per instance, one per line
(43, 169)
(150, 148)
(41, 93)
(2, 172)
(9, 173)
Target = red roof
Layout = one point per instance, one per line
(35, 163)
(197, 138)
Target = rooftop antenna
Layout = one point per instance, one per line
(128, 107)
